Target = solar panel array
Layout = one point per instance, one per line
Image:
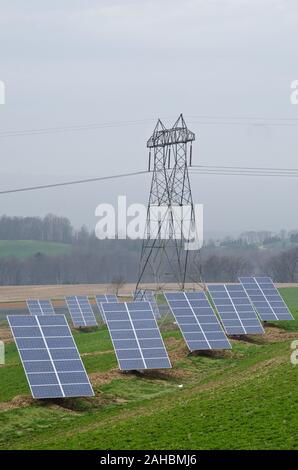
(266, 298)
(105, 298)
(80, 311)
(49, 356)
(40, 307)
(197, 321)
(235, 309)
(135, 335)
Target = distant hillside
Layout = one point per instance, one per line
(22, 249)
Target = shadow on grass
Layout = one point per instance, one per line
(212, 354)
(86, 329)
(151, 374)
(253, 339)
(79, 404)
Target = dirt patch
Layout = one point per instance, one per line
(21, 293)
(5, 335)
(274, 334)
(176, 348)
(17, 402)
(102, 378)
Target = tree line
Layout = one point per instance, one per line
(102, 261)
(105, 265)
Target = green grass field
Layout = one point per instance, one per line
(243, 399)
(25, 248)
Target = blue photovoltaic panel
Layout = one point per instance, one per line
(80, 311)
(105, 298)
(197, 321)
(135, 335)
(235, 310)
(40, 307)
(149, 296)
(49, 356)
(266, 299)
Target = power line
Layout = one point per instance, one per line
(246, 118)
(244, 123)
(196, 170)
(244, 168)
(69, 183)
(243, 173)
(72, 128)
(203, 119)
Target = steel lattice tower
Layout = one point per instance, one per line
(170, 155)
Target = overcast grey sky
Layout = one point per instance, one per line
(73, 62)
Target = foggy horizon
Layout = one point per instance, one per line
(78, 63)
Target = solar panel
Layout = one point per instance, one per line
(266, 299)
(80, 311)
(49, 356)
(149, 296)
(197, 321)
(40, 307)
(135, 335)
(105, 298)
(235, 310)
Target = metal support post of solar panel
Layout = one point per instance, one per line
(197, 321)
(40, 307)
(135, 335)
(138, 295)
(235, 309)
(49, 356)
(266, 299)
(104, 298)
(81, 311)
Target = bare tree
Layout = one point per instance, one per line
(117, 282)
(284, 266)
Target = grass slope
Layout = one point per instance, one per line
(243, 399)
(25, 248)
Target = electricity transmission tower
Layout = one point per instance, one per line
(170, 222)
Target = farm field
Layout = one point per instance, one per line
(22, 249)
(245, 398)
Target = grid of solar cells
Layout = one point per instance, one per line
(266, 298)
(105, 298)
(197, 321)
(40, 307)
(49, 356)
(235, 310)
(149, 296)
(81, 311)
(135, 335)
